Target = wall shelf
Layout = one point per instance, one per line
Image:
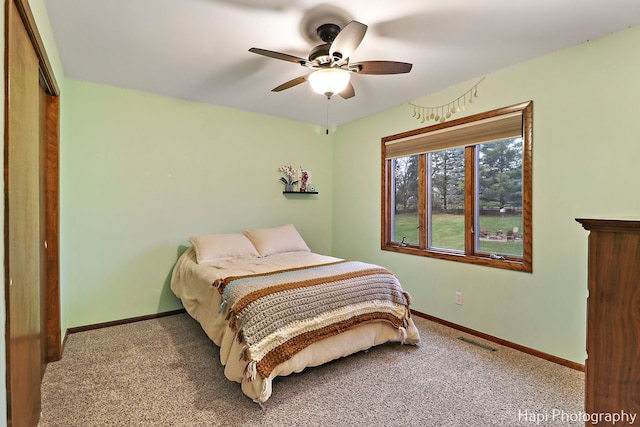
(299, 192)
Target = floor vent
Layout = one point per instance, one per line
(477, 344)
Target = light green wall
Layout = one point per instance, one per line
(585, 164)
(140, 173)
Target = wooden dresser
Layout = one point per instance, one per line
(613, 319)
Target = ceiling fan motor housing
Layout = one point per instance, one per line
(320, 54)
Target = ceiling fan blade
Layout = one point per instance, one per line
(291, 83)
(278, 55)
(348, 39)
(380, 67)
(348, 92)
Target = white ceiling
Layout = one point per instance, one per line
(198, 49)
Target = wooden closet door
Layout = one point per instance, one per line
(23, 253)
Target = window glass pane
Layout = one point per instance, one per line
(405, 199)
(500, 197)
(446, 216)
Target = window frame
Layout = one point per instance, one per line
(469, 255)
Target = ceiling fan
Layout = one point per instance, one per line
(331, 61)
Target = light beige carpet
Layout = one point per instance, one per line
(166, 372)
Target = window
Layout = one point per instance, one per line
(461, 190)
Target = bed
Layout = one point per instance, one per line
(274, 307)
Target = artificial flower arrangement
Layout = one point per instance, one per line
(291, 178)
(290, 173)
(304, 177)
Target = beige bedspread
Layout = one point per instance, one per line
(194, 284)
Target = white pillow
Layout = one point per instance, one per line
(269, 241)
(217, 247)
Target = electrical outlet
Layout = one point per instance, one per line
(459, 298)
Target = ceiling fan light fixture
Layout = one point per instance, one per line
(329, 81)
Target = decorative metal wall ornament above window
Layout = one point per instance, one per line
(442, 112)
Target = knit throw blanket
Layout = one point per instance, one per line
(280, 313)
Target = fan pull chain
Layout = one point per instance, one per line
(327, 118)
